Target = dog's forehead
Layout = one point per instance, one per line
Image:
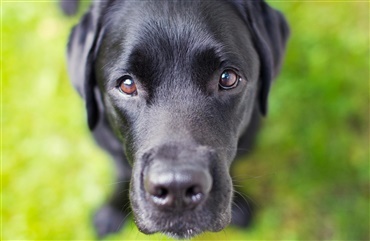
(180, 13)
(175, 25)
(155, 40)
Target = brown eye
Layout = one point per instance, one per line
(127, 85)
(228, 79)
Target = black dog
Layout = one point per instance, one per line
(173, 89)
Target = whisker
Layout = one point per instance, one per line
(225, 234)
(125, 207)
(115, 183)
(232, 148)
(236, 205)
(123, 220)
(123, 191)
(238, 178)
(245, 197)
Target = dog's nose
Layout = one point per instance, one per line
(177, 188)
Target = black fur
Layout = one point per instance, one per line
(180, 124)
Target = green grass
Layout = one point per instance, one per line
(308, 175)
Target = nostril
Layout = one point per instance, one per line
(161, 196)
(194, 194)
(156, 190)
(160, 192)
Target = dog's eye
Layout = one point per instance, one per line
(127, 85)
(228, 79)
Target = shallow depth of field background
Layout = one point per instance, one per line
(308, 176)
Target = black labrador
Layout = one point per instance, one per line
(173, 89)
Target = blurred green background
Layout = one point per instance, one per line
(308, 176)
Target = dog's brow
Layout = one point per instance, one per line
(205, 63)
(141, 65)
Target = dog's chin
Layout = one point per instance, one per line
(181, 232)
(180, 229)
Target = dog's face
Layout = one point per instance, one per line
(178, 82)
(179, 94)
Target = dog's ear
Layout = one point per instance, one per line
(83, 45)
(270, 32)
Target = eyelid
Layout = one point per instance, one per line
(122, 78)
(114, 79)
(232, 65)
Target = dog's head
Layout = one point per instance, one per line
(178, 81)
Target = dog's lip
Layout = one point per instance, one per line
(176, 229)
(186, 234)
(180, 229)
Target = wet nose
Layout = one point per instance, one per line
(177, 188)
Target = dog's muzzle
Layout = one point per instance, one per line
(178, 191)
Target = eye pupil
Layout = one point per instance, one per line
(228, 79)
(127, 85)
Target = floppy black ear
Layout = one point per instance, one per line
(82, 47)
(270, 33)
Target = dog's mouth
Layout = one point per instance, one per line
(183, 226)
(179, 232)
(176, 227)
